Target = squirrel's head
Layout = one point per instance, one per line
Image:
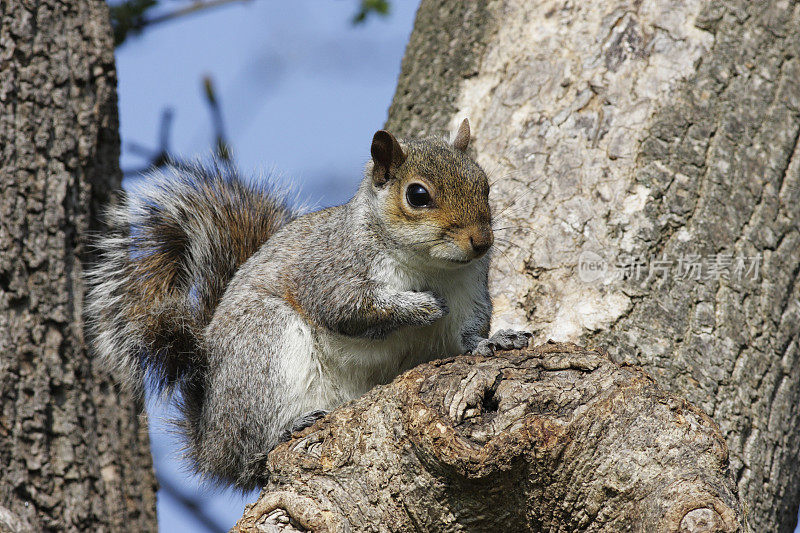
(434, 196)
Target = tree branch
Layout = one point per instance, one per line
(190, 505)
(552, 438)
(130, 16)
(191, 9)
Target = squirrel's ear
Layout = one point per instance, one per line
(386, 154)
(462, 137)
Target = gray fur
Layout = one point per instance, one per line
(172, 245)
(331, 304)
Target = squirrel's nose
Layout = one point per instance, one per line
(481, 239)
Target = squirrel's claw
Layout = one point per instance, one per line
(505, 339)
(302, 422)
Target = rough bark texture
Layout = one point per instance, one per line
(554, 438)
(74, 453)
(662, 133)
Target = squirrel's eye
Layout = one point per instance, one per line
(417, 195)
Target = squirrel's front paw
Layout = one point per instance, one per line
(505, 339)
(427, 307)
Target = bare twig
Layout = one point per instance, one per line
(191, 505)
(158, 157)
(221, 145)
(188, 10)
(130, 17)
(162, 155)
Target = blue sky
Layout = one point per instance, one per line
(302, 91)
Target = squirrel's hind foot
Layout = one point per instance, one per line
(302, 422)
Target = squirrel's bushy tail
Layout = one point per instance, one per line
(173, 244)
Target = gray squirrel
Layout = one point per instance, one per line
(258, 321)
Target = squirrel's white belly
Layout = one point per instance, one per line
(355, 365)
(331, 368)
(323, 369)
(352, 366)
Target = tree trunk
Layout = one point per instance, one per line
(555, 438)
(74, 451)
(646, 170)
(650, 151)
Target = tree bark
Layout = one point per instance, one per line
(74, 451)
(657, 133)
(554, 438)
(645, 160)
